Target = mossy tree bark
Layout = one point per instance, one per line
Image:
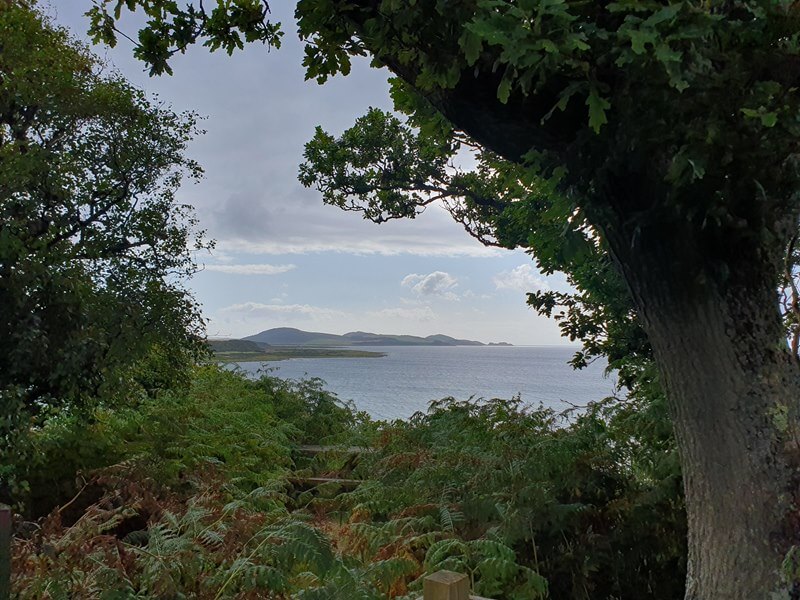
(734, 392)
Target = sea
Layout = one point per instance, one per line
(408, 378)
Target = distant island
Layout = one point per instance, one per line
(283, 343)
(288, 336)
(249, 351)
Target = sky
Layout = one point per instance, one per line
(282, 257)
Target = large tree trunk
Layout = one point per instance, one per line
(733, 390)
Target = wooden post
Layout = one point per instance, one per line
(5, 552)
(446, 585)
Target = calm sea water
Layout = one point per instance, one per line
(408, 378)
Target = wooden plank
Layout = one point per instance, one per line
(315, 481)
(5, 552)
(315, 449)
(471, 597)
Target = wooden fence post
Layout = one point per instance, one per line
(5, 552)
(446, 585)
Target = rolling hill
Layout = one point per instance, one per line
(288, 336)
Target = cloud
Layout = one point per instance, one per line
(384, 246)
(522, 279)
(294, 221)
(256, 309)
(423, 313)
(437, 283)
(250, 269)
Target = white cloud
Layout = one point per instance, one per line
(256, 309)
(437, 283)
(384, 246)
(522, 279)
(295, 221)
(423, 313)
(250, 269)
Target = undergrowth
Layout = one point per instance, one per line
(190, 495)
(528, 504)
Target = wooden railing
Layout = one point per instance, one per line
(447, 585)
(352, 452)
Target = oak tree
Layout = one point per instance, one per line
(661, 132)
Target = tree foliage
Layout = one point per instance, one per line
(386, 170)
(93, 244)
(170, 28)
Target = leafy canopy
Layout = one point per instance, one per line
(93, 245)
(170, 28)
(602, 60)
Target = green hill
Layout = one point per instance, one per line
(288, 336)
(225, 346)
(250, 351)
